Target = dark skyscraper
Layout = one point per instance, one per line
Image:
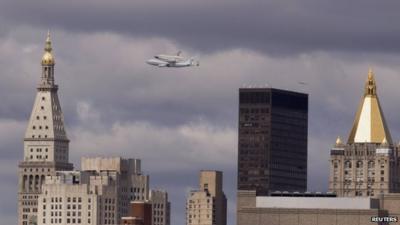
(272, 140)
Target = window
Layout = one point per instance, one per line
(43, 98)
(371, 164)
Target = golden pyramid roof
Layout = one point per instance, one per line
(369, 125)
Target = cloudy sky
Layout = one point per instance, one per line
(179, 121)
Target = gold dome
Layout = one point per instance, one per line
(48, 58)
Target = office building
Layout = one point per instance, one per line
(99, 194)
(272, 143)
(207, 206)
(161, 207)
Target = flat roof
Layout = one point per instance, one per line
(316, 202)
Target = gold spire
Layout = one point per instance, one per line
(48, 58)
(369, 125)
(370, 85)
(48, 43)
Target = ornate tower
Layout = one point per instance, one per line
(368, 164)
(45, 142)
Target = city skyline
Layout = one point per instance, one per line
(111, 97)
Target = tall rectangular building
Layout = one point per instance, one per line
(272, 148)
(207, 206)
(161, 207)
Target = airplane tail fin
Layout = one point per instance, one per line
(194, 62)
(178, 53)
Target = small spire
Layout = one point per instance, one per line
(370, 86)
(370, 73)
(48, 47)
(338, 141)
(384, 142)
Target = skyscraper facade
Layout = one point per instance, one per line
(368, 164)
(272, 143)
(45, 142)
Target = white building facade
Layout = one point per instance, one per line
(99, 194)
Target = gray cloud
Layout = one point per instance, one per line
(278, 27)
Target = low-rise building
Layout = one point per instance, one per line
(311, 210)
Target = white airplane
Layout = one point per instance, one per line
(172, 61)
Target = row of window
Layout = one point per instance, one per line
(40, 127)
(69, 220)
(39, 157)
(40, 150)
(38, 117)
